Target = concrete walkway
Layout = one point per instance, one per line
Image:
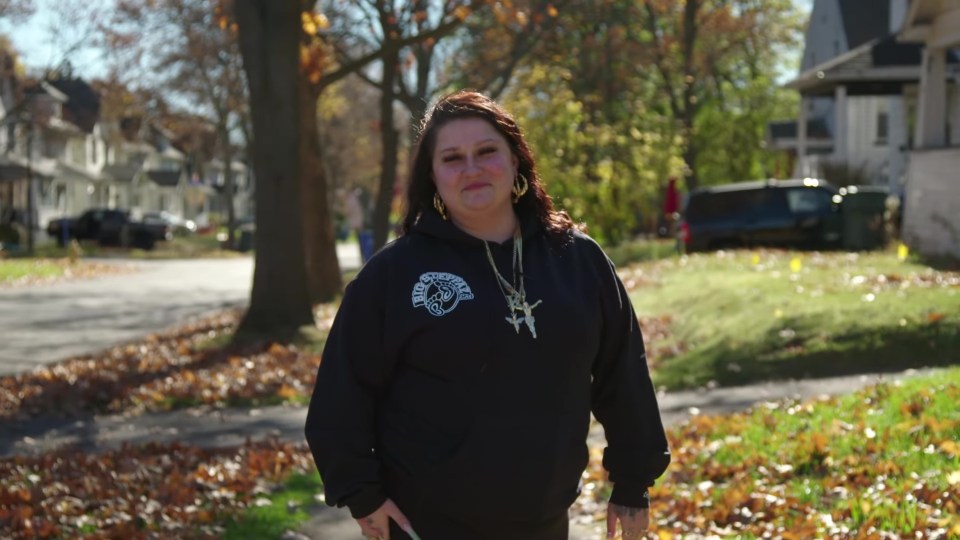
(42, 324)
(207, 427)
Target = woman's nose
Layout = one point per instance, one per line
(472, 164)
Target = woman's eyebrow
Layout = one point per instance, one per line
(482, 141)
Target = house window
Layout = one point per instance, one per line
(78, 151)
(882, 128)
(61, 197)
(94, 151)
(45, 192)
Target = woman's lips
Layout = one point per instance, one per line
(475, 186)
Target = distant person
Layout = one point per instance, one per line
(671, 207)
(354, 211)
(457, 382)
(356, 220)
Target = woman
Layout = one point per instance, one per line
(457, 382)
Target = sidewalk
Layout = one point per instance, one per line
(214, 428)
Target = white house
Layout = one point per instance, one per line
(71, 145)
(932, 195)
(214, 176)
(57, 158)
(855, 83)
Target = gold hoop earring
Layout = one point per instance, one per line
(438, 206)
(520, 188)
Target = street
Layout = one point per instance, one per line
(42, 324)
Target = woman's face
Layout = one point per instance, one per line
(473, 169)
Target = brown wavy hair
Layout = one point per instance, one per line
(470, 104)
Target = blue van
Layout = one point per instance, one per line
(800, 213)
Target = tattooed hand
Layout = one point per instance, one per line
(377, 524)
(633, 521)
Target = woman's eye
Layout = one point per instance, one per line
(488, 150)
(451, 157)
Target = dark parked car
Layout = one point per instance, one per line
(109, 227)
(803, 214)
(176, 224)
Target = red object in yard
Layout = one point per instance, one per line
(671, 201)
(685, 233)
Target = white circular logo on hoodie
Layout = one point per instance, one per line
(440, 292)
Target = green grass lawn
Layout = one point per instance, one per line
(12, 270)
(274, 514)
(743, 316)
(179, 247)
(642, 250)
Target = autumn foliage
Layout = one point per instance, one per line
(148, 491)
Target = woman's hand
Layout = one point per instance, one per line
(633, 521)
(377, 525)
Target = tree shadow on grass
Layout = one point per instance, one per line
(873, 350)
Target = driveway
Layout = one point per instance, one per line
(42, 324)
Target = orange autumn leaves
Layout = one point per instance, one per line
(869, 467)
(173, 369)
(148, 491)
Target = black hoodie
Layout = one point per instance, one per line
(427, 395)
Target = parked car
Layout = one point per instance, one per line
(109, 227)
(802, 214)
(176, 224)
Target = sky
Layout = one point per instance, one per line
(42, 39)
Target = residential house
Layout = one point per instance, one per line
(932, 196)
(857, 85)
(72, 145)
(16, 143)
(52, 154)
(58, 158)
(215, 177)
(147, 173)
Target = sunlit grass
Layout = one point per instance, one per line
(746, 316)
(278, 512)
(646, 249)
(12, 270)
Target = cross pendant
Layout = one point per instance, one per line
(513, 320)
(528, 317)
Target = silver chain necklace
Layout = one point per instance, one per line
(516, 299)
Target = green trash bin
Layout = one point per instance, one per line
(245, 240)
(863, 210)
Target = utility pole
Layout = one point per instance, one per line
(30, 221)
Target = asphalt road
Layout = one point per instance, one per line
(42, 324)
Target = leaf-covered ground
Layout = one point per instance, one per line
(184, 367)
(883, 463)
(148, 491)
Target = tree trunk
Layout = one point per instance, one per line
(390, 142)
(269, 42)
(692, 181)
(690, 32)
(324, 280)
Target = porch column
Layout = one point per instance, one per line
(896, 143)
(800, 168)
(953, 105)
(840, 129)
(932, 100)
